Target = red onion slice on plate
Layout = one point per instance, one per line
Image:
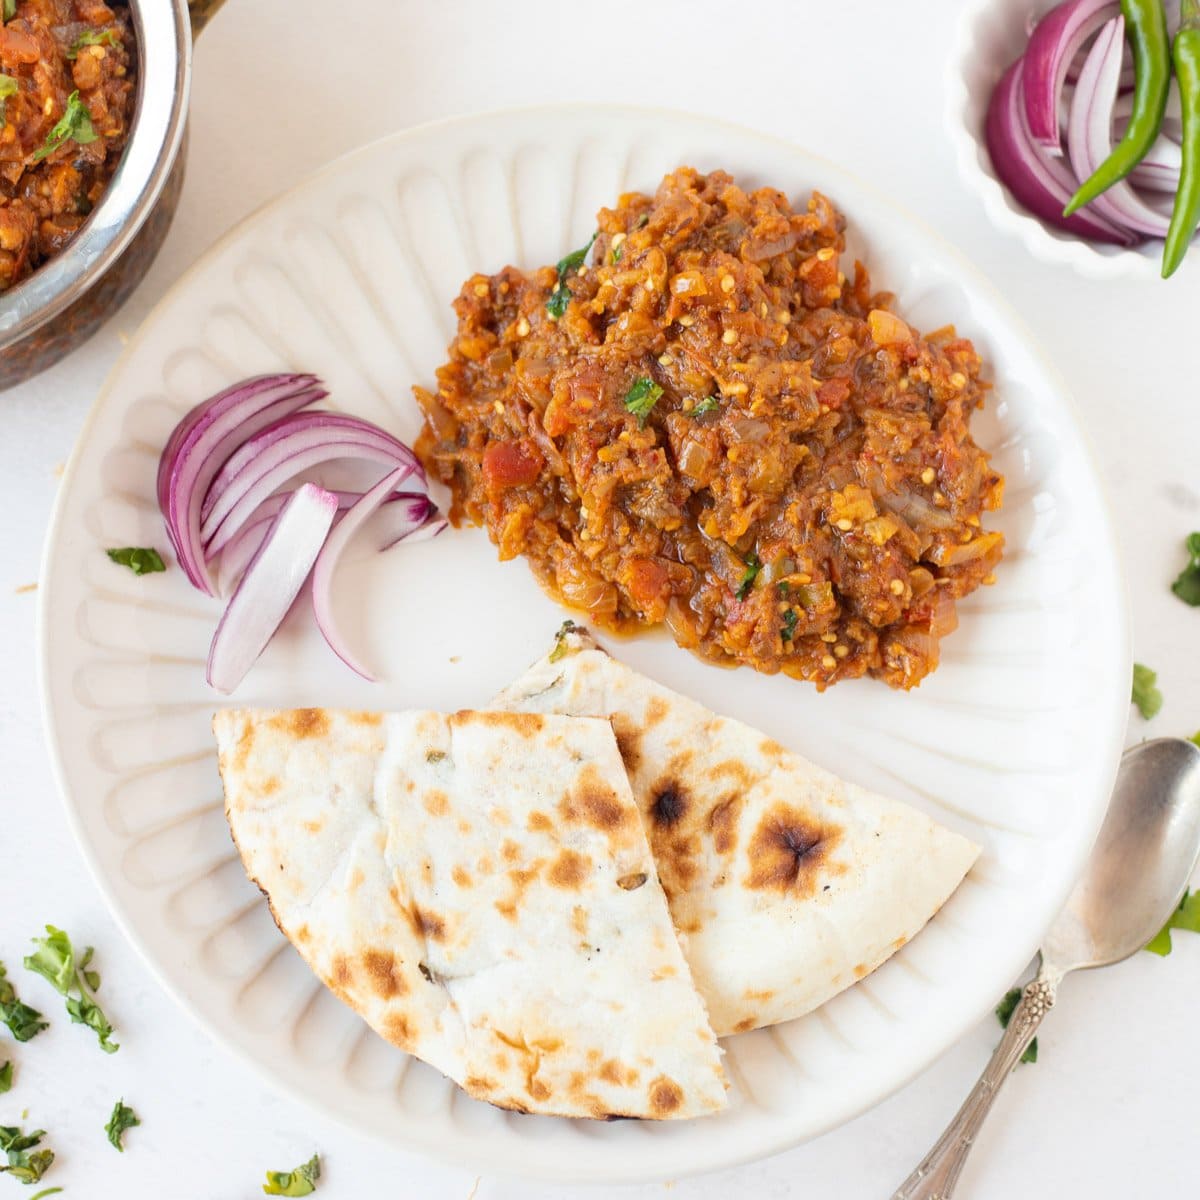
(1089, 133)
(327, 561)
(203, 440)
(271, 583)
(1039, 181)
(1053, 45)
(282, 451)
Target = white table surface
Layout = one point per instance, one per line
(1109, 1111)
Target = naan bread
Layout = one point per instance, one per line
(787, 883)
(479, 888)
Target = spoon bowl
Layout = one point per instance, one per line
(1141, 862)
(1138, 870)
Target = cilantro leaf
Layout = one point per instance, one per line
(707, 405)
(560, 640)
(1186, 916)
(1195, 737)
(10, 9)
(641, 398)
(560, 297)
(123, 1118)
(1146, 696)
(1004, 1012)
(45, 1192)
(141, 561)
(93, 37)
(302, 1181)
(753, 566)
(1187, 586)
(8, 87)
(23, 1022)
(6, 1077)
(22, 1165)
(789, 624)
(74, 125)
(54, 959)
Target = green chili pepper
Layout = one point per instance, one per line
(1186, 214)
(1146, 25)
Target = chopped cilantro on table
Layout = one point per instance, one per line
(1004, 1012)
(123, 1118)
(302, 1181)
(23, 1022)
(74, 125)
(45, 1192)
(753, 566)
(54, 960)
(560, 640)
(561, 296)
(1186, 916)
(139, 559)
(1146, 695)
(642, 397)
(6, 1077)
(17, 1146)
(1187, 586)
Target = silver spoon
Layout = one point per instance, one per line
(1137, 873)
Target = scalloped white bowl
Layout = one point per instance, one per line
(991, 35)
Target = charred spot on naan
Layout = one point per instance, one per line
(462, 877)
(633, 881)
(301, 723)
(436, 802)
(398, 1029)
(665, 1096)
(383, 974)
(723, 822)
(592, 802)
(791, 852)
(520, 878)
(629, 743)
(538, 822)
(569, 870)
(618, 1074)
(670, 804)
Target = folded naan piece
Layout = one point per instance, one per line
(787, 883)
(479, 888)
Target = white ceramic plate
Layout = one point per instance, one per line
(1013, 741)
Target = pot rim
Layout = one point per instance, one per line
(164, 47)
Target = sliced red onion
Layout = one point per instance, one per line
(1159, 170)
(203, 440)
(417, 519)
(1059, 36)
(1089, 133)
(422, 523)
(327, 561)
(271, 583)
(279, 453)
(1039, 181)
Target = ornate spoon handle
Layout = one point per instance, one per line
(937, 1174)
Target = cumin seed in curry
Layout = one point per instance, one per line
(713, 427)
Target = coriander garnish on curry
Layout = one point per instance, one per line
(717, 429)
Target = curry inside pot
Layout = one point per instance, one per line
(717, 424)
(67, 82)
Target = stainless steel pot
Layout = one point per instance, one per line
(64, 301)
